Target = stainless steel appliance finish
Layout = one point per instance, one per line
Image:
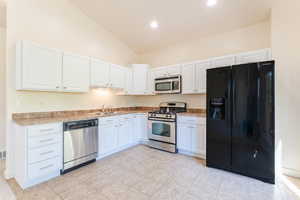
(162, 126)
(168, 85)
(80, 143)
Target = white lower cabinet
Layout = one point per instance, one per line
(38, 153)
(184, 137)
(191, 136)
(119, 132)
(125, 130)
(108, 138)
(141, 127)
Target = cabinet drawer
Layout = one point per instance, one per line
(108, 120)
(44, 168)
(126, 117)
(191, 120)
(44, 140)
(44, 153)
(46, 129)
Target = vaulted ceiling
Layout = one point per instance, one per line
(179, 20)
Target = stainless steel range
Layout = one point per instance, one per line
(162, 126)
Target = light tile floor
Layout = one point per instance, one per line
(142, 173)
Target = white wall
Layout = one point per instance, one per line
(58, 24)
(285, 46)
(249, 38)
(2, 87)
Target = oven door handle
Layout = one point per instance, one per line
(162, 120)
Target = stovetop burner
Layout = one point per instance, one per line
(168, 110)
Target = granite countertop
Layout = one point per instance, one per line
(27, 119)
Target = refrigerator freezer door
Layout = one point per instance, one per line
(218, 152)
(252, 120)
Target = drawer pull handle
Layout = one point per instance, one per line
(46, 167)
(46, 130)
(46, 140)
(45, 153)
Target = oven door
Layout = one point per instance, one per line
(162, 131)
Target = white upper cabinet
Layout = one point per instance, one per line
(100, 73)
(38, 68)
(201, 68)
(223, 61)
(194, 77)
(188, 79)
(128, 81)
(150, 83)
(140, 78)
(254, 56)
(76, 73)
(168, 71)
(117, 77)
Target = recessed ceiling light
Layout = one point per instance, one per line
(211, 3)
(154, 24)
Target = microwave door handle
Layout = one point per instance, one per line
(172, 86)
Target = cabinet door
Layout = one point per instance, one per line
(167, 71)
(117, 76)
(174, 70)
(38, 68)
(161, 72)
(125, 133)
(129, 81)
(140, 78)
(108, 138)
(201, 68)
(184, 137)
(224, 61)
(136, 129)
(188, 79)
(254, 56)
(150, 83)
(198, 139)
(76, 73)
(100, 73)
(141, 127)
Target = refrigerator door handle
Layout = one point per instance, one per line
(233, 101)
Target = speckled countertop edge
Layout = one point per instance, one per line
(27, 119)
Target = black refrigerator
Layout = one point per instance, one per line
(240, 119)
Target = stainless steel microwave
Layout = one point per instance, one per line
(168, 85)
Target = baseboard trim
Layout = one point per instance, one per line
(291, 172)
(188, 153)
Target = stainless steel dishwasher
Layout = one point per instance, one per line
(80, 143)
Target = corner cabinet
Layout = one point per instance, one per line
(191, 136)
(120, 132)
(44, 69)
